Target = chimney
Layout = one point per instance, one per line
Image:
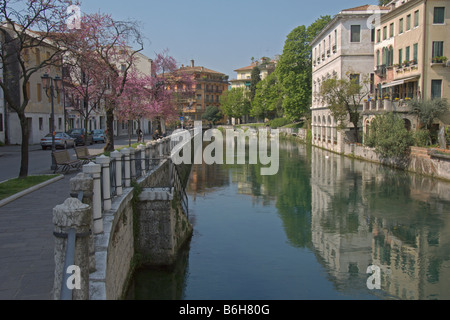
(192, 63)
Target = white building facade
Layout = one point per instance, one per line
(345, 46)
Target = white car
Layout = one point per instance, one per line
(62, 140)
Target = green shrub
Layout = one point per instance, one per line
(389, 137)
(421, 138)
(278, 122)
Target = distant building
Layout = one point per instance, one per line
(345, 45)
(411, 41)
(210, 85)
(38, 110)
(97, 116)
(244, 75)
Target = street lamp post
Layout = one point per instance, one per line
(50, 85)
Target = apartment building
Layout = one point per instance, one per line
(244, 75)
(345, 47)
(210, 85)
(412, 41)
(38, 111)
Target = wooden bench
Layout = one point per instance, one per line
(63, 161)
(83, 154)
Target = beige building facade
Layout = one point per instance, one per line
(412, 42)
(38, 110)
(343, 48)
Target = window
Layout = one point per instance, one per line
(41, 124)
(416, 19)
(372, 82)
(199, 97)
(436, 87)
(384, 33)
(400, 26)
(391, 30)
(416, 53)
(1, 122)
(407, 56)
(379, 35)
(354, 77)
(372, 35)
(408, 22)
(335, 40)
(59, 123)
(28, 90)
(439, 15)
(400, 56)
(355, 35)
(378, 58)
(438, 49)
(39, 92)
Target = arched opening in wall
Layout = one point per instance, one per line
(407, 124)
(329, 125)
(319, 128)
(324, 129)
(315, 128)
(367, 129)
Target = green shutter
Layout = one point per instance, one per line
(416, 52)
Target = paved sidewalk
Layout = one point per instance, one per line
(27, 243)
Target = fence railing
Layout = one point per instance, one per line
(114, 173)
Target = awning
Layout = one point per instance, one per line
(398, 82)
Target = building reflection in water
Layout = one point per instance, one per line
(364, 214)
(351, 214)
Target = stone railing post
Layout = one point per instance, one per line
(104, 161)
(140, 152)
(133, 163)
(72, 221)
(161, 148)
(127, 160)
(95, 170)
(85, 184)
(117, 156)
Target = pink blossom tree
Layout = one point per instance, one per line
(154, 96)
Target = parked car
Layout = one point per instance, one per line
(99, 135)
(79, 134)
(62, 140)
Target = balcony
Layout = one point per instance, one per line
(381, 71)
(439, 61)
(386, 105)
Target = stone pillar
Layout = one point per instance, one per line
(71, 221)
(117, 156)
(126, 159)
(95, 171)
(132, 163)
(140, 153)
(85, 184)
(104, 161)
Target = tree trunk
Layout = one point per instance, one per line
(129, 132)
(109, 146)
(23, 173)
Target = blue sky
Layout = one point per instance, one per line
(220, 35)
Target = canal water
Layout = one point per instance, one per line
(309, 232)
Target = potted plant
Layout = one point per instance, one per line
(406, 63)
(442, 59)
